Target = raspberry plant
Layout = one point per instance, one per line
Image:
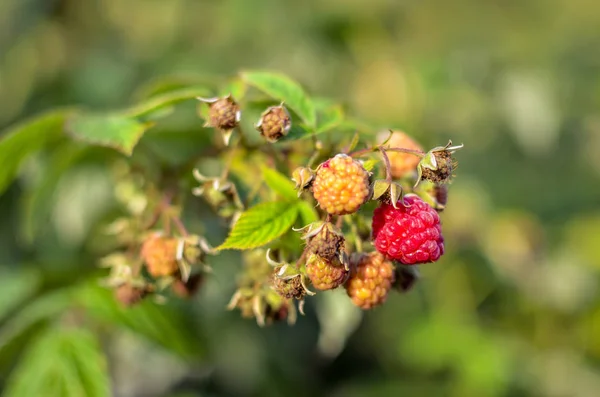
(316, 200)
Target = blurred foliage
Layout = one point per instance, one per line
(512, 309)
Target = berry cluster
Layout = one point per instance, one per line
(377, 219)
(405, 228)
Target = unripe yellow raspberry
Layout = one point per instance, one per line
(371, 279)
(341, 185)
(325, 274)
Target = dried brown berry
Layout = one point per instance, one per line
(129, 295)
(288, 287)
(160, 255)
(224, 113)
(274, 123)
(325, 240)
(189, 288)
(438, 164)
(443, 173)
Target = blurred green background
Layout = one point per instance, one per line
(512, 309)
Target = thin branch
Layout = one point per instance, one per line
(388, 166)
(179, 225)
(366, 151)
(165, 202)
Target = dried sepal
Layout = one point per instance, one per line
(191, 251)
(303, 177)
(385, 191)
(288, 280)
(380, 187)
(220, 194)
(438, 164)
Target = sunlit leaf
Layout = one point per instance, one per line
(261, 224)
(236, 88)
(110, 130)
(165, 100)
(283, 89)
(328, 118)
(370, 164)
(308, 213)
(38, 202)
(21, 140)
(280, 184)
(298, 131)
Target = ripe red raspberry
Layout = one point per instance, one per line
(410, 234)
(160, 255)
(401, 163)
(324, 274)
(341, 185)
(371, 280)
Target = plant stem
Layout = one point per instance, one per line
(388, 166)
(179, 225)
(363, 152)
(165, 202)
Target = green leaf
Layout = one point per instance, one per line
(370, 164)
(283, 89)
(38, 201)
(308, 213)
(380, 187)
(165, 100)
(15, 287)
(110, 130)
(329, 118)
(42, 308)
(61, 362)
(236, 88)
(261, 224)
(279, 183)
(298, 131)
(160, 324)
(353, 142)
(25, 138)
